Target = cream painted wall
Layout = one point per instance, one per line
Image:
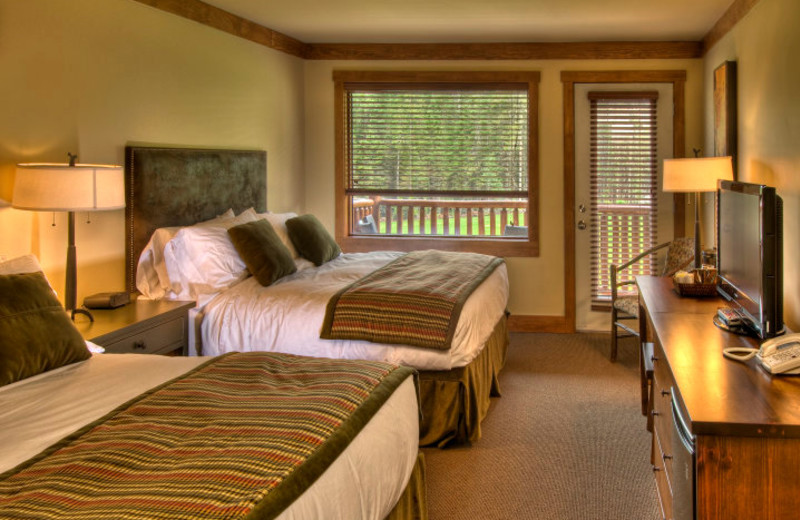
(766, 44)
(537, 284)
(90, 76)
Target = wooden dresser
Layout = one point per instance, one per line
(745, 423)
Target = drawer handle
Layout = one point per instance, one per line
(656, 469)
(666, 457)
(139, 345)
(664, 393)
(654, 413)
(653, 359)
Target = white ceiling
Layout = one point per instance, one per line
(466, 21)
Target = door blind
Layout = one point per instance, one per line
(623, 177)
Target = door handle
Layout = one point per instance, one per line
(581, 225)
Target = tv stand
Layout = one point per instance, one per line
(744, 422)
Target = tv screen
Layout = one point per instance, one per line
(739, 236)
(750, 254)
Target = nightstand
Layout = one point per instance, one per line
(140, 327)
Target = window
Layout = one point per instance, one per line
(437, 160)
(623, 170)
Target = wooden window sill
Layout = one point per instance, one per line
(504, 247)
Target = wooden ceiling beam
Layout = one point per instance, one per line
(506, 51)
(737, 11)
(217, 18)
(211, 16)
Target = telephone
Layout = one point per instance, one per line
(779, 355)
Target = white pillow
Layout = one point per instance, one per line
(21, 264)
(278, 221)
(152, 278)
(249, 211)
(24, 264)
(151, 272)
(201, 260)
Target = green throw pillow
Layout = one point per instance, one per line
(262, 251)
(312, 240)
(36, 334)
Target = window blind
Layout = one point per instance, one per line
(623, 177)
(454, 141)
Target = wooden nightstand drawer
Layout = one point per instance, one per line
(141, 327)
(161, 338)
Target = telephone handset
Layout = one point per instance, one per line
(779, 355)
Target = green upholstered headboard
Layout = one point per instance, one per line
(181, 186)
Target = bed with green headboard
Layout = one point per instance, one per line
(179, 187)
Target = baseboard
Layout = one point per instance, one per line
(556, 324)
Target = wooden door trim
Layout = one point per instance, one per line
(569, 79)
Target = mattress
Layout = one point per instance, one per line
(365, 481)
(287, 316)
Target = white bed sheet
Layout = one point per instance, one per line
(365, 481)
(287, 317)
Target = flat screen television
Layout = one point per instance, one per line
(750, 254)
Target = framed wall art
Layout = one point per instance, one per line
(725, 112)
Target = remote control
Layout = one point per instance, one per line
(729, 316)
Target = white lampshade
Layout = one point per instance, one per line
(696, 174)
(60, 187)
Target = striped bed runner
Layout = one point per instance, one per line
(413, 300)
(240, 437)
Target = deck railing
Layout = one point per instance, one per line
(439, 217)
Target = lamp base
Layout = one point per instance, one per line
(81, 311)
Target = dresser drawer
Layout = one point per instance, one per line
(662, 418)
(663, 386)
(662, 392)
(159, 339)
(662, 478)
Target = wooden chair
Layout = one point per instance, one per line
(680, 254)
(626, 308)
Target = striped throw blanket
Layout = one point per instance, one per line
(240, 437)
(414, 300)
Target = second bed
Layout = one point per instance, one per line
(455, 385)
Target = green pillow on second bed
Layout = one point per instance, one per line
(312, 240)
(262, 251)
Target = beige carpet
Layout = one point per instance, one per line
(566, 441)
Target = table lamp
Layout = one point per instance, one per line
(69, 187)
(698, 174)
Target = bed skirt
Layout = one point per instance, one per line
(454, 402)
(413, 503)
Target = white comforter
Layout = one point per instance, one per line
(365, 481)
(287, 316)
